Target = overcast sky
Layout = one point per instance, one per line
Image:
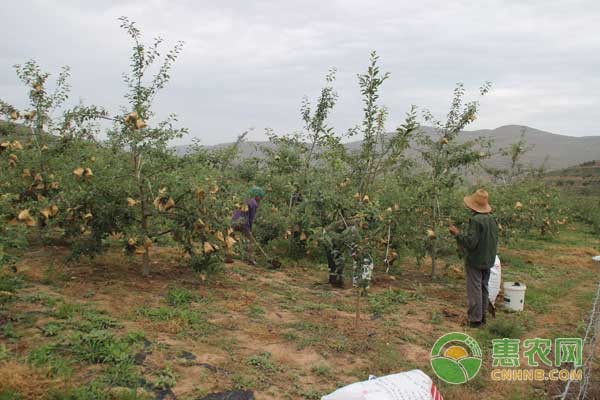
(248, 63)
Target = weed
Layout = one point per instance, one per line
(100, 347)
(5, 353)
(46, 356)
(52, 275)
(387, 358)
(157, 314)
(322, 370)
(10, 283)
(311, 394)
(502, 328)
(255, 311)
(52, 329)
(8, 331)
(186, 319)
(9, 394)
(339, 345)
(166, 379)
(97, 320)
(418, 294)
(386, 301)
(538, 300)
(305, 342)
(67, 310)
(262, 362)
(134, 337)
(290, 336)
(122, 374)
(179, 296)
(41, 297)
(242, 382)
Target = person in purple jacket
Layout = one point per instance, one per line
(242, 221)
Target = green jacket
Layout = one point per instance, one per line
(480, 241)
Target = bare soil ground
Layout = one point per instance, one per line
(282, 334)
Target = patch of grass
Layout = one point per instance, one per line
(263, 362)
(387, 359)
(386, 301)
(504, 328)
(7, 331)
(243, 382)
(97, 320)
(99, 347)
(304, 326)
(436, 318)
(122, 374)
(165, 379)
(52, 275)
(157, 314)
(256, 312)
(585, 298)
(290, 336)
(514, 262)
(41, 297)
(68, 310)
(322, 370)
(180, 296)
(95, 390)
(5, 352)
(134, 337)
(47, 356)
(538, 300)
(229, 344)
(10, 282)
(311, 394)
(339, 345)
(187, 319)
(52, 329)
(307, 341)
(418, 294)
(9, 394)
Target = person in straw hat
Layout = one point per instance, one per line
(480, 243)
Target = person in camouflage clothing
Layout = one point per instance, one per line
(337, 241)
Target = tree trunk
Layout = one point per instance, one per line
(433, 249)
(433, 257)
(146, 262)
(146, 255)
(144, 217)
(357, 309)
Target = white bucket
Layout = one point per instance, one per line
(514, 295)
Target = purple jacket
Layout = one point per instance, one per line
(245, 219)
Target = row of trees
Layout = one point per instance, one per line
(60, 182)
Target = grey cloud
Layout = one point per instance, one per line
(248, 63)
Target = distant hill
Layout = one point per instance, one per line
(583, 178)
(556, 151)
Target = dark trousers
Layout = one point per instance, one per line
(477, 293)
(335, 261)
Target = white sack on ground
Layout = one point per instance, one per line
(495, 280)
(411, 385)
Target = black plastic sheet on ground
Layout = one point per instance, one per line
(231, 395)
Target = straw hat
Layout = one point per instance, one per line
(478, 202)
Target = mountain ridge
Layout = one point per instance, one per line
(554, 151)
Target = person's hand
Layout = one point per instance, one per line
(453, 230)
